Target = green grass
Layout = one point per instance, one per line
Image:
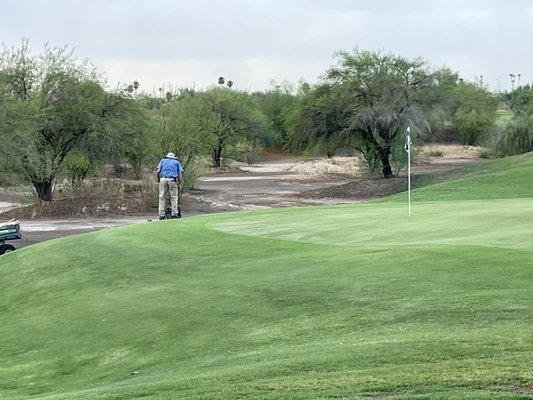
(341, 302)
(504, 178)
(504, 117)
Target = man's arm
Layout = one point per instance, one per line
(180, 179)
(180, 175)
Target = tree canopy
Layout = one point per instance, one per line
(51, 103)
(366, 101)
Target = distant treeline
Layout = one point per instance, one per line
(57, 118)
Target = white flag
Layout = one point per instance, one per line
(408, 142)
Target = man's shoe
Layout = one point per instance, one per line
(162, 218)
(175, 216)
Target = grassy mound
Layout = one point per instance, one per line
(306, 303)
(504, 178)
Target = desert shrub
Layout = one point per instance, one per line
(252, 153)
(445, 135)
(435, 152)
(473, 125)
(486, 153)
(245, 151)
(8, 179)
(517, 138)
(370, 162)
(77, 166)
(149, 190)
(91, 188)
(398, 157)
(191, 175)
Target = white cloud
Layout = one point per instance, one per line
(248, 73)
(254, 41)
(475, 14)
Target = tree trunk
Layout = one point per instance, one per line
(384, 155)
(217, 157)
(44, 189)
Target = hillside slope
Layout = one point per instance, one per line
(505, 178)
(304, 303)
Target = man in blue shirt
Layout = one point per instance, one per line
(170, 177)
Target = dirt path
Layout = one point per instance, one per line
(267, 184)
(9, 200)
(35, 231)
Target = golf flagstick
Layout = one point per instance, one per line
(408, 150)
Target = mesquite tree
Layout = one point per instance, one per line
(184, 127)
(231, 115)
(50, 104)
(380, 95)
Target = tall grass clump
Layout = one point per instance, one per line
(190, 176)
(517, 138)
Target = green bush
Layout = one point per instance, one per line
(517, 138)
(77, 166)
(245, 151)
(473, 126)
(475, 116)
(191, 175)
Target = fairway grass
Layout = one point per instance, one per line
(339, 302)
(504, 117)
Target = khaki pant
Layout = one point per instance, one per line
(168, 185)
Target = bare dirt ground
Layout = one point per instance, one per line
(266, 184)
(279, 181)
(293, 182)
(35, 231)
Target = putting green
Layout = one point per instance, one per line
(341, 302)
(504, 223)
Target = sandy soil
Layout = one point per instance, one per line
(306, 182)
(268, 184)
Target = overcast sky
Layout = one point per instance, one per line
(252, 42)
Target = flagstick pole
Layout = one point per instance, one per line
(408, 150)
(409, 181)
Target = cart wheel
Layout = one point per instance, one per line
(6, 248)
